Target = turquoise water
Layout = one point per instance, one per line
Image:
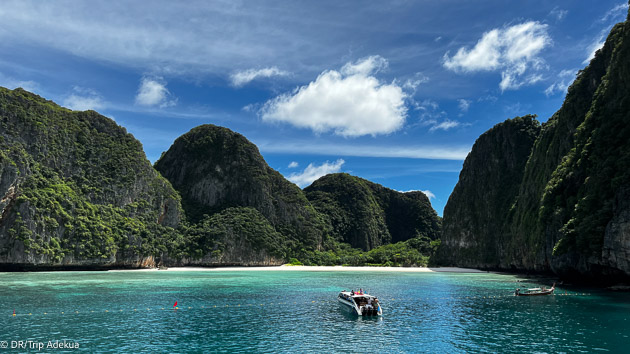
(297, 311)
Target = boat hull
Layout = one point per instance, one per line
(538, 293)
(362, 311)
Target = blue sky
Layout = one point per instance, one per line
(395, 92)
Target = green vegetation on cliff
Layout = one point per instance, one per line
(214, 168)
(569, 212)
(367, 215)
(587, 181)
(76, 188)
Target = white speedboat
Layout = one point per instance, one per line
(360, 303)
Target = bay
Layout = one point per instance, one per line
(297, 311)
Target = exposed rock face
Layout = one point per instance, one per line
(570, 214)
(367, 215)
(475, 217)
(75, 188)
(616, 250)
(214, 168)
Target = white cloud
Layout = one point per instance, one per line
(613, 15)
(514, 50)
(487, 98)
(593, 48)
(351, 102)
(558, 13)
(153, 92)
(463, 104)
(445, 125)
(170, 36)
(83, 99)
(242, 78)
(413, 83)
(80, 103)
(616, 12)
(12, 83)
(511, 80)
(293, 164)
(565, 79)
(433, 117)
(429, 194)
(431, 152)
(313, 172)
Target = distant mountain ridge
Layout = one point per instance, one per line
(77, 192)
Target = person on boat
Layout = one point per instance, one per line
(518, 291)
(352, 293)
(360, 291)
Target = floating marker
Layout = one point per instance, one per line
(13, 313)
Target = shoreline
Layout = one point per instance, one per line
(288, 268)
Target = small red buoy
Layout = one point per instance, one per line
(14, 312)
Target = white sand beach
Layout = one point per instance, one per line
(288, 268)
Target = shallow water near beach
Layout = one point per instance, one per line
(297, 311)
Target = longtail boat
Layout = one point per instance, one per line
(535, 291)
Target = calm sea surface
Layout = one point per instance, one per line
(297, 311)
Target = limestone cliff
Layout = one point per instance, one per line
(476, 215)
(367, 215)
(76, 189)
(214, 168)
(570, 213)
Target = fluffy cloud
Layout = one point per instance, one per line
(293, 164)
(242, 78)
(313, 172)
(514, 50)
(83, 99)
(350, 102)
(153, 92)
(429, 194)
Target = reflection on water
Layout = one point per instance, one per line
(299, 312)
